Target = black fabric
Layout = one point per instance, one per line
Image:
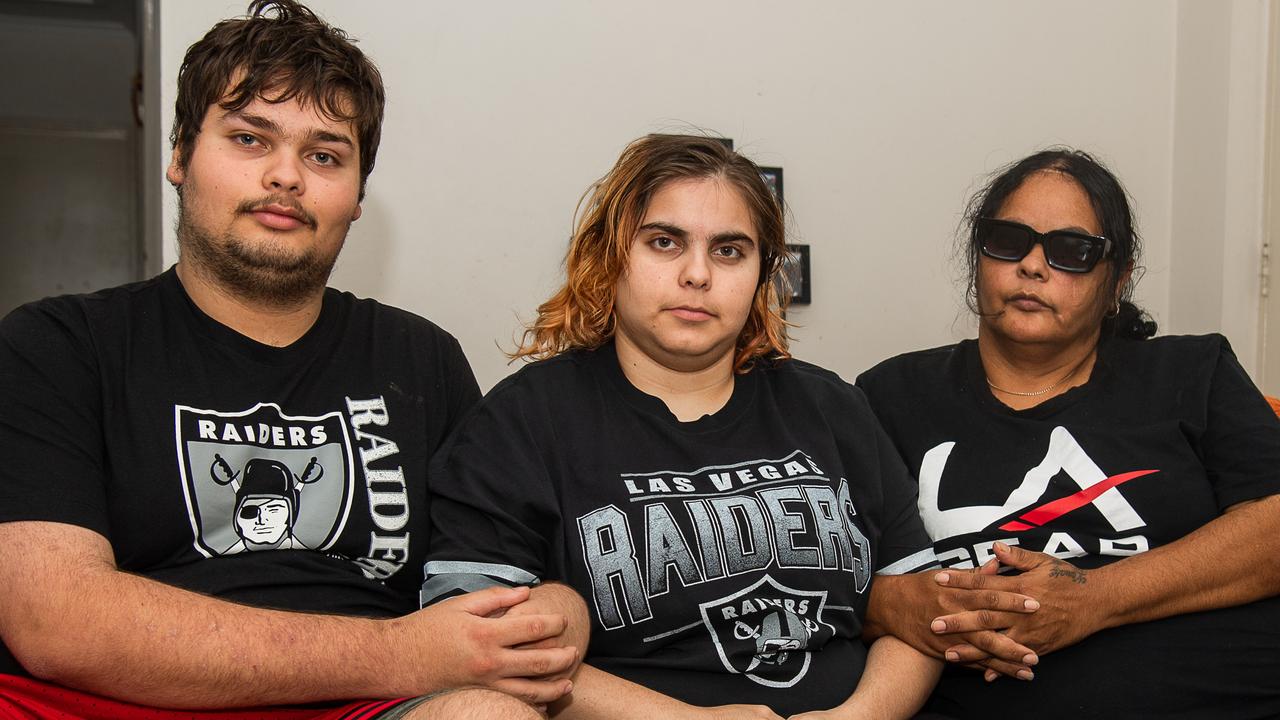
(1178, 431)
(133, 414)
(680, 535)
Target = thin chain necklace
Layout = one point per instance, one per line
(1036, 393)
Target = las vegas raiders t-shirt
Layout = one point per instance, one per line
(1166, 435)
(286, 477)
(725, 560)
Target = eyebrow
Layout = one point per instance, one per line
(1069, 228)
(679, 232)
(271, 126)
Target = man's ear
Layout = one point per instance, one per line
(356, 215)
(175, 173)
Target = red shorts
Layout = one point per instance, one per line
(26, 699)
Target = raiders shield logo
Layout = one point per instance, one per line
(765, 631)
(263, 480)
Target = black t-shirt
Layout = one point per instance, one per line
(1165, 435)
(283, 477)
(725, 560)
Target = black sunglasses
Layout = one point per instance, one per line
(1065, 250)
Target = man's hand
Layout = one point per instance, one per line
(552, 598)
(1069, 610)
(937, 617)
(469, 641)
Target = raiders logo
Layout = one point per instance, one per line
(263, 480)
(765, 631)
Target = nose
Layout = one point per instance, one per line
(695, 272)
(284, 174)
(1034, 265)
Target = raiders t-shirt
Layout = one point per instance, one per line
(725, 560)
(286, 477)
(1166, 435)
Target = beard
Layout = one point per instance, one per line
(262, 272)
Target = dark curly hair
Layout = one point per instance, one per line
(1110, 203)
(280, 51)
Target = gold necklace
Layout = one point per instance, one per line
(1036, 393)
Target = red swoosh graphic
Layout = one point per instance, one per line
(1056, 509)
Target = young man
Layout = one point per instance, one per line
(212, 482)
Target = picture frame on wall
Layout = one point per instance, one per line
(794, 277)
(773, 178)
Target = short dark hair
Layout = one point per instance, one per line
(1110, 203)
(278, 52)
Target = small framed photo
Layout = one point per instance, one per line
(773, 178)
(795, 273)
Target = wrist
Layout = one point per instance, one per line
(389, 665)
(1104, 600)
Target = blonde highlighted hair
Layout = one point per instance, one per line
(580, 315)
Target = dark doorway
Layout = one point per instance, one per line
(70, 147)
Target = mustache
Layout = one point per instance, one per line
(284, 201)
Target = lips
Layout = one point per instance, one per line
(1028, 302)
(690, 313)
(279, 217)
(278, 213)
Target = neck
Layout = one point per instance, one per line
(1023, 375)
(688, 394)
(274, 325)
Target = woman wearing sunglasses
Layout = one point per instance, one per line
(1129, 485)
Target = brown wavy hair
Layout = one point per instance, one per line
(580, 315)
(278, 52)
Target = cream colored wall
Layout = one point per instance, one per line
(883, 115)
(1218, 171)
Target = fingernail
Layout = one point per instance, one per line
(1026, 675)
(990, 675)
(938, 626)
(1001, 546)
(943, 578)
(1030, 659)
(568, 686)
(952, 656)
(1031, 604)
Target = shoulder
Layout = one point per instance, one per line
(806, 374)
(1183, 357)
(55, 320)
(917, 369)
(800, 383)
(386, 317)
(524, 409)
(544, 380)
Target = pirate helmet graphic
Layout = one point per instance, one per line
(780, 632)
(768, 631)
(267, 499)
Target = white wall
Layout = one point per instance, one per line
(883, 115)
(1218, 171)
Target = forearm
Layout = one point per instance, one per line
(157, 645)
(884, 616)
(98, 629)
(895, 683)
(598, 695)
(1229, 561)
(907, 607)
